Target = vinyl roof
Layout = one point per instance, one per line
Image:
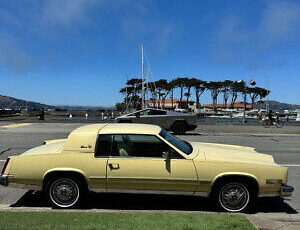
(130, 128)
(110, 128)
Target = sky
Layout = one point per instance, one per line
(78, 52)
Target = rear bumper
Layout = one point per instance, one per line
(286, 190)
(3, 180)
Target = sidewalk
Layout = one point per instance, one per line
(264, 223)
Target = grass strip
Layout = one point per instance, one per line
(129, 220)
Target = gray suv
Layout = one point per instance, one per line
(177, 122)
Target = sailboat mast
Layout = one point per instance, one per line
(126, 98)
(143, 80)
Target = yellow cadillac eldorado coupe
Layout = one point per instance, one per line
(146, 159)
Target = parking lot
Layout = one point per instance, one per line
(285, 148)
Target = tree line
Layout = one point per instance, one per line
(162, 89)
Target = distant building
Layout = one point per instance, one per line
(237, 105)
(167, 104)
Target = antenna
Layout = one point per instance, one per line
(126, 98)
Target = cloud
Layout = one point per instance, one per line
(8, 17)
(236, 42)
(66, 12)
(140, 24)
(12, 56)
(72, 12)
(280, 21)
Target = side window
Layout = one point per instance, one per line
(144, 113)
(157, 112)
(104, 145)
(131, 145)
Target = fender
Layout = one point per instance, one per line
(233, 174)
(54, 170)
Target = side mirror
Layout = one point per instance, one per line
(166, 154)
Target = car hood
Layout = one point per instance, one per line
(53, 146)
(231, 153)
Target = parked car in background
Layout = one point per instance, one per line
(133, 158)
(170, 120)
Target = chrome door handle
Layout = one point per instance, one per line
(114, 166)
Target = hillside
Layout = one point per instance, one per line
(278, 106)
(14, 103)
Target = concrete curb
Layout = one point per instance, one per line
(269, 224)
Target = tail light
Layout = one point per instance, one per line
(5, 165)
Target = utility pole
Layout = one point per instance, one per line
(143, 80)
(245, 101)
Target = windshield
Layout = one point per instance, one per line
(180, 144)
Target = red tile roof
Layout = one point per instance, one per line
(237, 105)
(167, 100)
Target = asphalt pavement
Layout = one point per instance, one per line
(284, 147)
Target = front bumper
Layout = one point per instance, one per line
(3, 180)
(286, 190)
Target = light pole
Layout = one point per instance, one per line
(252, 83)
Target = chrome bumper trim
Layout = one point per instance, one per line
(286, 190)
(25, 186)
(3, 180)
(269, 194)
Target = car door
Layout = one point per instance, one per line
(137, 164)
(152, 116)
(98, 165)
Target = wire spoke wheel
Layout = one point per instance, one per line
(64, 192)
(266, 123)
(234, 197)
(279, 124)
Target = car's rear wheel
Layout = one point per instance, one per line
(179, 128)
(235, 197)
(64, 192)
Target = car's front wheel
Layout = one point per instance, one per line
(64, 192)
(235, 197)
